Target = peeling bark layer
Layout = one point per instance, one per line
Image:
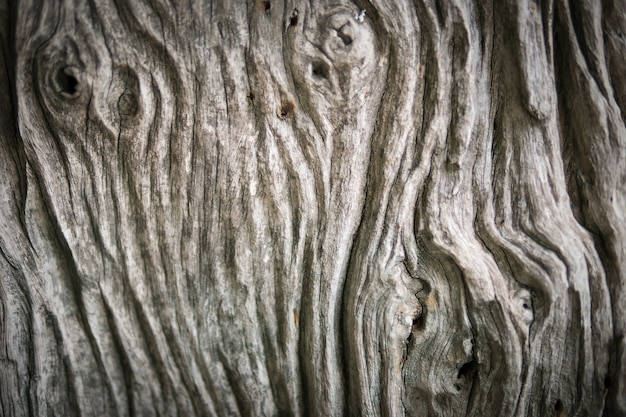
(264, 208)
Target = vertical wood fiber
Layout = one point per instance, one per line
(292, 208)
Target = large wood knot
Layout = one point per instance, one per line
(338, 54)
(124, 95)
(62, 75)
(351, 48)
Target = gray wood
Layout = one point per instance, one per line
(290, 208)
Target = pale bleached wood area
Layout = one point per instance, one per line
(288, 208)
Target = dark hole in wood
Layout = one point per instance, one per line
(440, 13)
(347, 40)
(66, 82)
(293, 20)
(286, 109)
(251, 97)
(526, 306)
(319, 69)
(469, 369)
(265, 6)
(607, 382)
(558, 406)
(418, 323)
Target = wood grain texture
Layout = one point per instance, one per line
(291, 208)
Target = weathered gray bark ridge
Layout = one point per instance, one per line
(263, 208)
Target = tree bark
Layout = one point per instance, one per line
(331, 208)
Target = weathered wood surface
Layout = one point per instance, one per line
(266, 208)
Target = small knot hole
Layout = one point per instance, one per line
(559, 409)
(286, 109)
(319, 69)
(469, 369)
(265, 6)
(293, 20)
(66, 82)
(345, 35)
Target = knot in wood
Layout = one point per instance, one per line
(127, 104)
(344, 56)
(523, 308)
(408, 318)
(345, 40)
(65, 82)
(62, 72)
(286, 109)
(123, 94)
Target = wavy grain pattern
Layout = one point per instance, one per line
(331, 208)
